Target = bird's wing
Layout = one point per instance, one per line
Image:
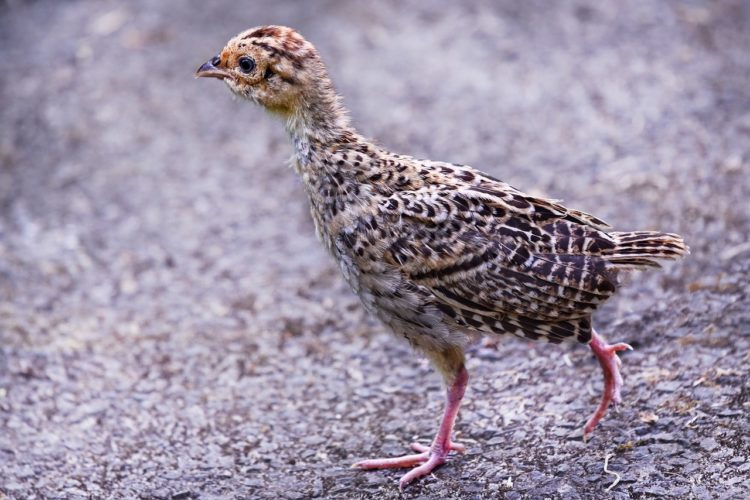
(499, 260)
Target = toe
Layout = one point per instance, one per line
(392, 463)
(424, 469)
(418, 447)
(458, 447)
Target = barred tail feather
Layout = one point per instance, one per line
(639, 249)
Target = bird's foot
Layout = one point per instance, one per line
(606, 354)
(427, 457)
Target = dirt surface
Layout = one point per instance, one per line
(170, 327)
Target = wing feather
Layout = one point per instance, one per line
(501, 261)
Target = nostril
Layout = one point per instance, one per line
(215, 61)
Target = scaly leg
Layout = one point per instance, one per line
(610, 363)
(433, 456)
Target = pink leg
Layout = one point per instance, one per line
(433, 456)
(610, 363)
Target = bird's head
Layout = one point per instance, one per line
(273, 66)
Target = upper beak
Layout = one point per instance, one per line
(208, 70)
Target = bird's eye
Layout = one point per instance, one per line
(246, 64)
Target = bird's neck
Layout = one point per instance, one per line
(319, 122)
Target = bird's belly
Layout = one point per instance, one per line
(407, 311)
(385, 293)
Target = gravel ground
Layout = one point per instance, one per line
(170, 327)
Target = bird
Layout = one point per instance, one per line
(441, 253)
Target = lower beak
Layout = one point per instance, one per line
(208, 70)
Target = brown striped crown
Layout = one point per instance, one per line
(271, 65)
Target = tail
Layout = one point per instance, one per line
(640, 249)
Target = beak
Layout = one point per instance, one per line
(209, 70)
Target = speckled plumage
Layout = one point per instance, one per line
(437, 251)
(434, 249)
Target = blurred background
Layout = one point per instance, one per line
(171, 328)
